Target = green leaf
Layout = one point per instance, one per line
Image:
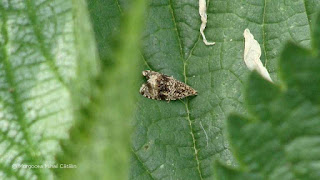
(51, 78)
(100, 140)
(300, 75)
(224, 173)
(41, 43)
(180, 139)
(280, 137)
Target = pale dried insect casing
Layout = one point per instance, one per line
(252, 54)
(204, 17)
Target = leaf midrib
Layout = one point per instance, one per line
(186, 103)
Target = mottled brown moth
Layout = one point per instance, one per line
(162, 87)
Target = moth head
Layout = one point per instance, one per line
(146, 72)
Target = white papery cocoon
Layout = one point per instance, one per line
(252, 54)
(203, 15)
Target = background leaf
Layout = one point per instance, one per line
(280, 140)
(100, 141)
(40, 42)
(181, 139)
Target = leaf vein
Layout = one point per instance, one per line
(40, 38)
(263, 33)
(137, 157)
(176, 28)
(30, 149)
(193, 139)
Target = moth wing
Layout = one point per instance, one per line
(147, 91)
(185, 90)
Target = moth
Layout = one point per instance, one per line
(162, 87)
